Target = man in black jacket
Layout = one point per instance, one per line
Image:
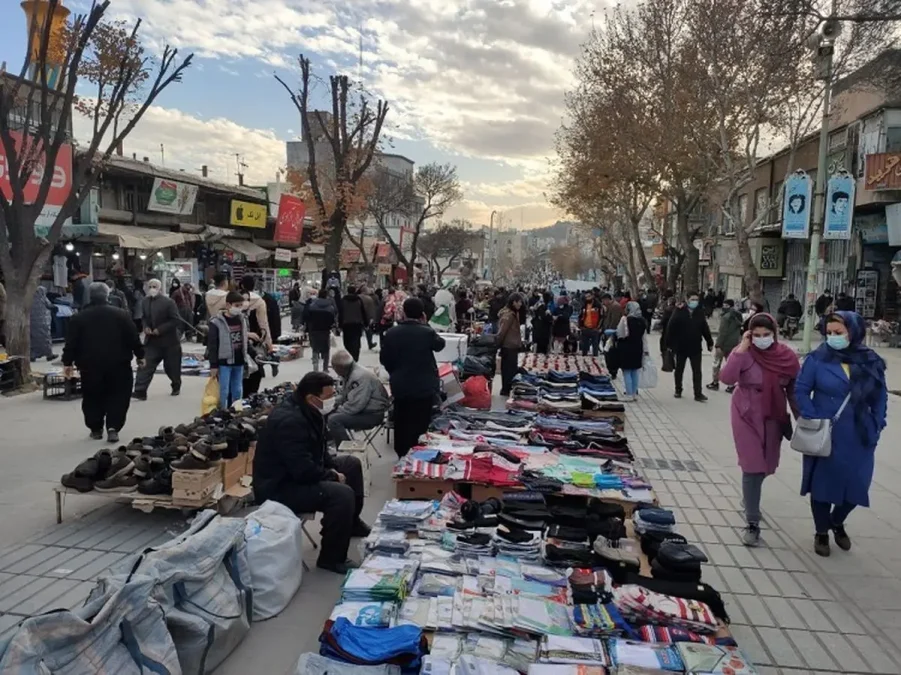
(319, 318)
(408, 354)
(161, 340)
(291, 465)
(684, 333)
(101, 340)
(354, 320)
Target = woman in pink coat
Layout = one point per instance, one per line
(764, 370)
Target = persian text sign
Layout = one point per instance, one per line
(289, 225)
(883, 171)
(60, 185)
(248, 214)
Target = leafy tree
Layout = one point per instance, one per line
(446, 245)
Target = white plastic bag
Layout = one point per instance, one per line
(275, 555)
(648, 378)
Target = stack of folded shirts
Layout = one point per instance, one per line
(435, 559)
(387, 542)
(715, 660)
(620, 562)
(473, 544)
(413, 612)
(372, 614)
(597, 620)
(517, 543)
(537, 616)
(608, 481)
(570, 669)
(672, 635)
(539, 482)
(532, 519)
(644, 655)
(653, 519)
(366, 585)
(678, 562)
(432, 584)
(590, 587)
(568, 532)
(405, 515)
(640, 606)
(562, 649)
(563, 553)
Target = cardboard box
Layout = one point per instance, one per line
(422, 489)
(233, 470)
(248, 458)
(194, 488)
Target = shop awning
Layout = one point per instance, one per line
(142, 238)
(248, 249)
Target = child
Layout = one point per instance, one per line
(227, 347)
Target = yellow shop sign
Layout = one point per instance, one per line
(248, 214)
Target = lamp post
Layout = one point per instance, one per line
(491, 247)
(823, 42)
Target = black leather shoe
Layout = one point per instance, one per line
(338, 568)
(360, 529)
(842, 540)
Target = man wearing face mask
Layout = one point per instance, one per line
(161, 342)
(686, 330)
(292, 466)
(227, 347)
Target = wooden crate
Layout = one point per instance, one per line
(194, 488)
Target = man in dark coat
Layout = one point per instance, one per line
(100, 341)
(408, 354)
(353, 321)
(161, 341)
(824, 302)
(292, 466)
(686, 330)
(727, 339)
(319, 317)
(844, 303)
(371, 307)
(274, 315)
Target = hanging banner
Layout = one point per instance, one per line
(248, 214)
(60, 184)
(169, 196)
(289, 225)
(839, 206)
(283, 254)
(796, 206)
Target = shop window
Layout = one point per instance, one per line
(837, 139)
(129, 199)
(893, 139)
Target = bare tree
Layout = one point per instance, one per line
(35, 123)
(446, 245)
(333, 180)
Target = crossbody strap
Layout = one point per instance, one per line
(842, 408)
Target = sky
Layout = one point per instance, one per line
(476, 83)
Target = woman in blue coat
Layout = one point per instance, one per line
(841, 367)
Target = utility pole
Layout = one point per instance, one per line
(491, 247)
(823, 42)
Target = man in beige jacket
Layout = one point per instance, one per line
(215, 297)
(256, 307)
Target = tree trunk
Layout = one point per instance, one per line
(337, 223)
(642, 258)
(752, 276)
(17, 326)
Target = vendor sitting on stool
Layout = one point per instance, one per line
(363, 400)
(292, 466)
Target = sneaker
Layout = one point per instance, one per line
(730, 388)
(821, 545)
(158, 484)
(112, 436)
(338, 568)
(97, 435)
(700, 398)
(139, 397)
(842, 540)
(713, 386)
(195, 460)
(166, 433)
(122, 483)
(360, 529)
(75, 482)
(176, 391)
(751, 535)
(143, 467)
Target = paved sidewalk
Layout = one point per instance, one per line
(793, 612)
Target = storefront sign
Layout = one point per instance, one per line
(349, 256)
(796, 206)
(169, 196)
(248, 214)
(283, 254)
(289, 225)
(60, 185)
(727, 257)
(893, 224)
(769, 256)
(872, 228)
(839, 206)
(883, 171)
(384, 269)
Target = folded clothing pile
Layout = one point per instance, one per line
(641, 606)
(715, 659)
(517, 543)
(619, 562)
(387, 542)
(644, 655)
(403, 646)
(314, 664)
(368, 585)
(676, 561)
(561, 649)
(652, 518)
(590, 586)
(473, 544)
(597, 620)
(672, 635)
(371, 614)
(405, 515)
(564, 553)
(687, 590)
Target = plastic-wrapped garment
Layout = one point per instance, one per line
(41, 316)
(314, 664)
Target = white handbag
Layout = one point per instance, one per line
(814, 437)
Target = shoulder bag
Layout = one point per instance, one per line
(814, 437)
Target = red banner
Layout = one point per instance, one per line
(289, 225)
(60, 186)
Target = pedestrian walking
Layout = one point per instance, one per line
(319, 318)
(408, 354)
(42, 311)
(685, 333)
(589, 325)
(542, 321)
(561, 328)
(137, 305)
(184, 302)
(764, 371)
(631, 347)
(353, 321)
(228, 349)
(842, 380)
(161, 341)
(371, 307)
(613, 314)
(509, 340)
(727, 339)
(101, 341)
(116, 296)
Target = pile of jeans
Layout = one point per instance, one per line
(598, 387)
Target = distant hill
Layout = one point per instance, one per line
(558, 231)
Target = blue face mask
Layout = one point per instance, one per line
(838, 341)
(692, 304)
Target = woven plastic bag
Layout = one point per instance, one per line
(210, 400)
(274, 537)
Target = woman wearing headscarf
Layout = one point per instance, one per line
(839, 369)
(41, 318)
(563, 312)
(542, 320)
(631, 347)
(765, 371)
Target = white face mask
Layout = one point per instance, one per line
(153, 292)
(235, 311)
(763, 342)
(328, 405)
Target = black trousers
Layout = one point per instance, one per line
(411, 419)
(369, 333)
(339, 503)
(509, 367)
(352, 336)
(105, 397)
(169, 356)
(252, 382)
(695, 360)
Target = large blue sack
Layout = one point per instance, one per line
(122, 632)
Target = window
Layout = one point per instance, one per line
(893, 139)
(761, 202)
(837, 139)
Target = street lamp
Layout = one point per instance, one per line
(491, 247)
(823, 43)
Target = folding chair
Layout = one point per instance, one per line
(370, 436)
(304, 519)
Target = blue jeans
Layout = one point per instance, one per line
(825, 516)
(231, 385)
(630, 381)
(591, 338)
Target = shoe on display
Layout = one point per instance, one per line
(158, 484)
(123, 483)
(143, 467)
(76, 482)
(338, 568)
(360, 529)
(112, 436)
(166, 433)
(120, 465)
(194, 460)
(821, 545)
(97, 435)
(751, 535)
(842, 540)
